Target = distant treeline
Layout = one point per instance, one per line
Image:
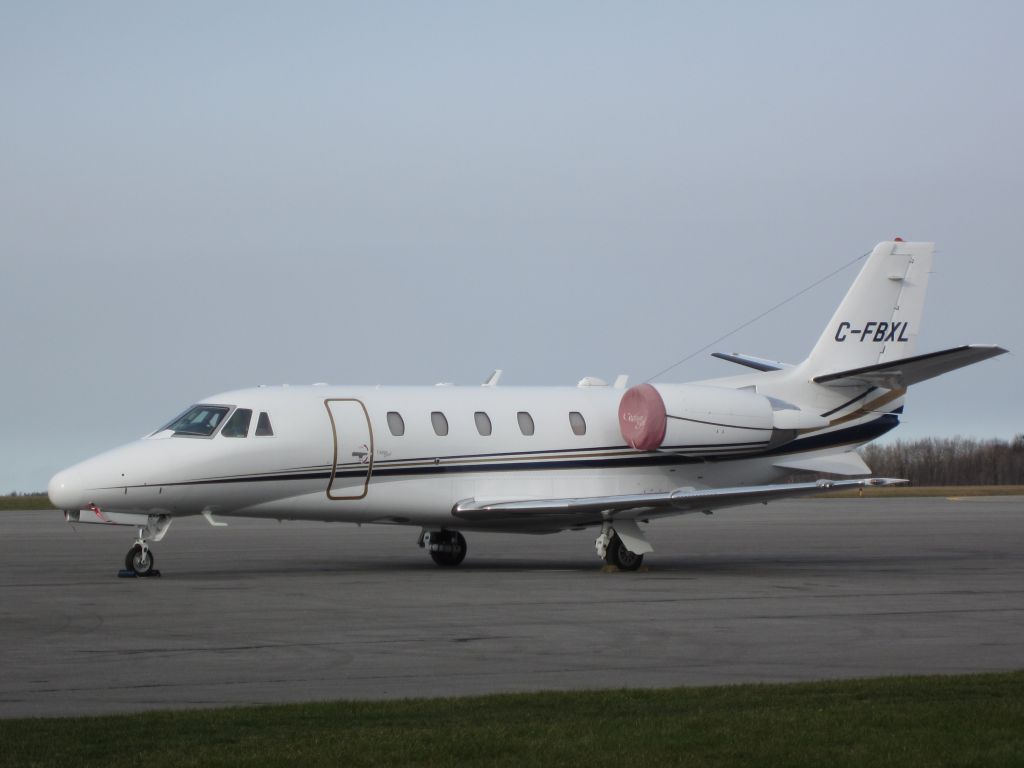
(950, 461)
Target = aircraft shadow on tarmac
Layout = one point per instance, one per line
(681, 566)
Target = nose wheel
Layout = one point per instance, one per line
(139, 559)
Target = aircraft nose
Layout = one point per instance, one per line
(63, 491)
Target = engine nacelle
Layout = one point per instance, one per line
(696, 419)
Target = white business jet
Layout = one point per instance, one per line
(450, 459)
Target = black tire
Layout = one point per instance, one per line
(620, 557)
(139, 560)
(454, 552)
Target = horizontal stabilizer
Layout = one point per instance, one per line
(898, 374)
(846, 463)
(757, 363)
(594, 509)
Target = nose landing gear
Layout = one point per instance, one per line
(139, 560)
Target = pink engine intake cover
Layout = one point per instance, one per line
(642, 417)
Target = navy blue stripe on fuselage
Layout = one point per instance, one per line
(379, 465)
(854, 435)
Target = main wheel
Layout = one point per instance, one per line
(454, 551)
(139, 560)
(620, 557)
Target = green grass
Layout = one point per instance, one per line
(27, 501)
(923, 721)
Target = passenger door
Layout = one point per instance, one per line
(352, 464)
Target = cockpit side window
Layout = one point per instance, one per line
(263, 428)
(238, 424)
(199, 420)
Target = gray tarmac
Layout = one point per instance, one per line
(262, 612)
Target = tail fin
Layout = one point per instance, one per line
(880, 316)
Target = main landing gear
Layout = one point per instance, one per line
(614, 551)
(623, 546)
(616, 554)
(446, 548)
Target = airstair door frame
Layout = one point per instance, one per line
(352, 464)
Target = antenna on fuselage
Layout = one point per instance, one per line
(492, 380)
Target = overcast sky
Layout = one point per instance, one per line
(197, 197)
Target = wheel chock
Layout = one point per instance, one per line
(615, 569)
(127, 573)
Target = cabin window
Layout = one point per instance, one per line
(483, 423)
(198, 421)
(396, 423)
(440, 423)
(263, 428)
(238, 424)
(525, 422)
(578, 423)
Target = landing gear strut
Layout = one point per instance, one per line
(446, 548)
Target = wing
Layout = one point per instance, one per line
(556, 514)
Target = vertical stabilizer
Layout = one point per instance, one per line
(880, 316)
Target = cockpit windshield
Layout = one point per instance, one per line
(199, 420)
